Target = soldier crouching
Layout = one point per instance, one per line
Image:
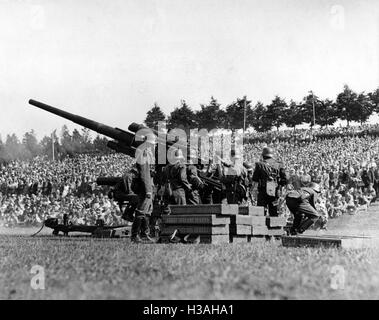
(302, 204)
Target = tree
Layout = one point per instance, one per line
(235, 114)
(326, 113)
(86, 139)
(66, 141)
(374, 97)
(14, 149)
(2, 154)
(100, 144)
(259, 119)
(365, 107)
(276, 111)
(30, 143)
(154, 115)
(77, 141)
(353, 107)
(310, 102)
(293, 115)
(183, 118)
(210, 116)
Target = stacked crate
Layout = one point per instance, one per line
(240, 228)
(276, 226)
(211, 222)
(220, 223)
(262, 225)
(257, 218)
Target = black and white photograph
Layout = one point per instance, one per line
(189, 150)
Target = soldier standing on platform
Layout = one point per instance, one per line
(142, 185)
(193, 196)
(233, 179)
(268, 177)
(176, 174)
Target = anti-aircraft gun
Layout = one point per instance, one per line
(123, 141)
(126, 142)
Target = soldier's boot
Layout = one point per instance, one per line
(294, 230)
(145, 230)
(306, 224)
(136, 229)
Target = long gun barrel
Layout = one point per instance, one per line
(124, 140)
(115, 133)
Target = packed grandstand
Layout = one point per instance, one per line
(344, 161)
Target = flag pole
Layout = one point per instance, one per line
(52, 144)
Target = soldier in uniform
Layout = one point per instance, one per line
(302, 204)
(268, 177)
(142, 185)
(249, 181)
(193, 196)
(233, 178)
(176, 175)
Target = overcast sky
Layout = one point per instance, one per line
(111, 60)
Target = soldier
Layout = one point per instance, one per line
(193, 196)
(268, 177)
(302, 204)
(142, 185)
(233, 178)
(249, 181)
(176, 175)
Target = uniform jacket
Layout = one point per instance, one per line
(266, 168)
(193, 178)
(177, 175)
(304, 195)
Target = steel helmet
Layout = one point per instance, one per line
(315, 186)
(178, 155)
(248, 166)
(267, 152)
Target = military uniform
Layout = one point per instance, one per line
(193, 195)
(142, 185)
(302, 204)
(234, 182)
(177, 177)
(269, 175)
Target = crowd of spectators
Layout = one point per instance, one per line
(293, 135)
(346, 167)
(32, 190)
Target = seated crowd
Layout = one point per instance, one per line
(31, 191)
(347, 168)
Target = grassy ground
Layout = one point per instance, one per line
(87, 268)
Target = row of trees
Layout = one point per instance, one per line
(66, 144)
(349, 106)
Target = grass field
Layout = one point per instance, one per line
(79, 268)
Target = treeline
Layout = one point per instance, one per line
(66, 143)
(348, 105)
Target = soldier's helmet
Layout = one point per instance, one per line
(248, 166)
(178, 155)
(315, 186)
(267, 152)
